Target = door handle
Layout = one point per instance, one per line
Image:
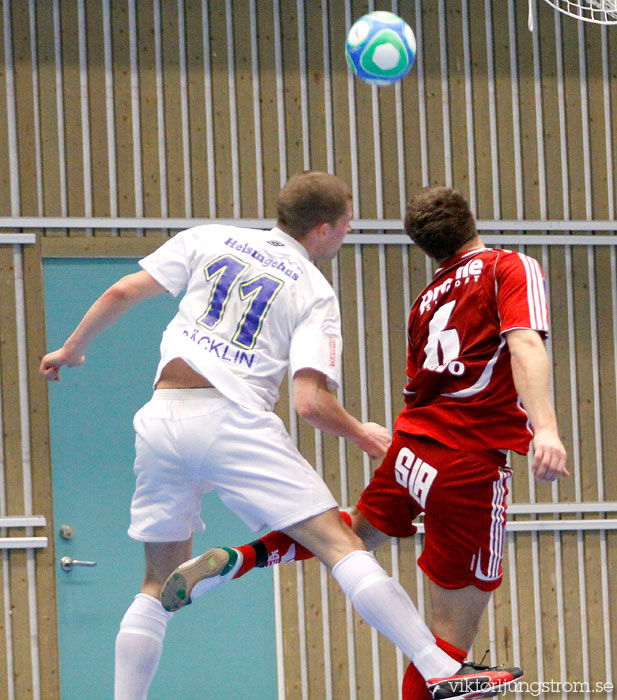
(67, 563)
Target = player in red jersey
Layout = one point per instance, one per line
(478, 386)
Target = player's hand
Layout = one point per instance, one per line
(549, 458)
(51, 363)
(375, 441)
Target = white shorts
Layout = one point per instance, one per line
(191, 441)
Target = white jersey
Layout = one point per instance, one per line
(254, 306)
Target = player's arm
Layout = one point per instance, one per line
(317, 405)
(114, 302)
(531, 373)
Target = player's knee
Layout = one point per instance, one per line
(327, 536)
(343, 541)
(370, 535)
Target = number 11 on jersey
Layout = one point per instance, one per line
(259, 291)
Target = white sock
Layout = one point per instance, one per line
(138, 647)
(383, 603)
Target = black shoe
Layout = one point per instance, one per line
(473, 681)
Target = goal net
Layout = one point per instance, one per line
(598, 11)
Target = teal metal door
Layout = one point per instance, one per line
(222, 646)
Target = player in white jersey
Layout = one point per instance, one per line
(254, 306)
(256, 290)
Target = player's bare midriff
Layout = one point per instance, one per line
(178, 375)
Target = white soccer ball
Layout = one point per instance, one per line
(380, 48)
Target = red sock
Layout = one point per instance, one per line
(456, 653)
(275, 548)
(414, 685)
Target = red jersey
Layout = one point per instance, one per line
(460, 389)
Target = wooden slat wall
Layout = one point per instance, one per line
(15, 566)
(166, 137)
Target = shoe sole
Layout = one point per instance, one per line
(177, 589)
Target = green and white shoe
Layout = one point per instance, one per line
(199, 575)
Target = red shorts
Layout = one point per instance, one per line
(463, 497)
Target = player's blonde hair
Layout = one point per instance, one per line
(311, 198)
(439, 221)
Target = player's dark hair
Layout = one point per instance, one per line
(311, 198)
(439, 221)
